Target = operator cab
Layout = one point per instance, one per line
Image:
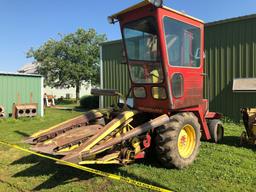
(164, 51)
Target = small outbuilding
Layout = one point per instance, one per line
(68, 93)
(18, 88)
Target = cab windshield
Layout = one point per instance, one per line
(142, 48)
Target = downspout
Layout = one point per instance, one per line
(42, 96)
(101, 101)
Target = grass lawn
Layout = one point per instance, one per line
(219, 167)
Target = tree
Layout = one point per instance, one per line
(71, 60)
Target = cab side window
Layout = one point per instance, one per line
(182, 43)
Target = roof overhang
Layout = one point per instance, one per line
(19, 74)
(145, 3)
(136, 6)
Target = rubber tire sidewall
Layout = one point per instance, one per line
(214, 125)
(171, 158)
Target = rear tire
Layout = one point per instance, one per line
(178, 142)
(216, 130)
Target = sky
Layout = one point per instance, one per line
(30, 23)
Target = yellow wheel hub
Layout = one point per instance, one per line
(186, 141)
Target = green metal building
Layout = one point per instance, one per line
(114, 72)
(21, 88)
(230, 47)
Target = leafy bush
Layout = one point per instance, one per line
(89, 102)
(63, 101)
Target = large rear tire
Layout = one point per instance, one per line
(178, 142)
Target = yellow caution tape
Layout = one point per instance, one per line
(90, 170)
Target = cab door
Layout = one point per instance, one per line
(184, 61)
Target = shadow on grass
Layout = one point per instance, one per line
(71, 108)
(22, 133)
(231, 141)
(80, 109)
(61, 174)
(234, 141)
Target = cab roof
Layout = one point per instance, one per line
(147, 2)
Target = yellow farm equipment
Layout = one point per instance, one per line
(248, 114)
(249, 119)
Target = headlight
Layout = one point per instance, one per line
(111, 20)
(158, 93)
(157, 3)
(139, 92)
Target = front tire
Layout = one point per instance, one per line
(178, 142)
